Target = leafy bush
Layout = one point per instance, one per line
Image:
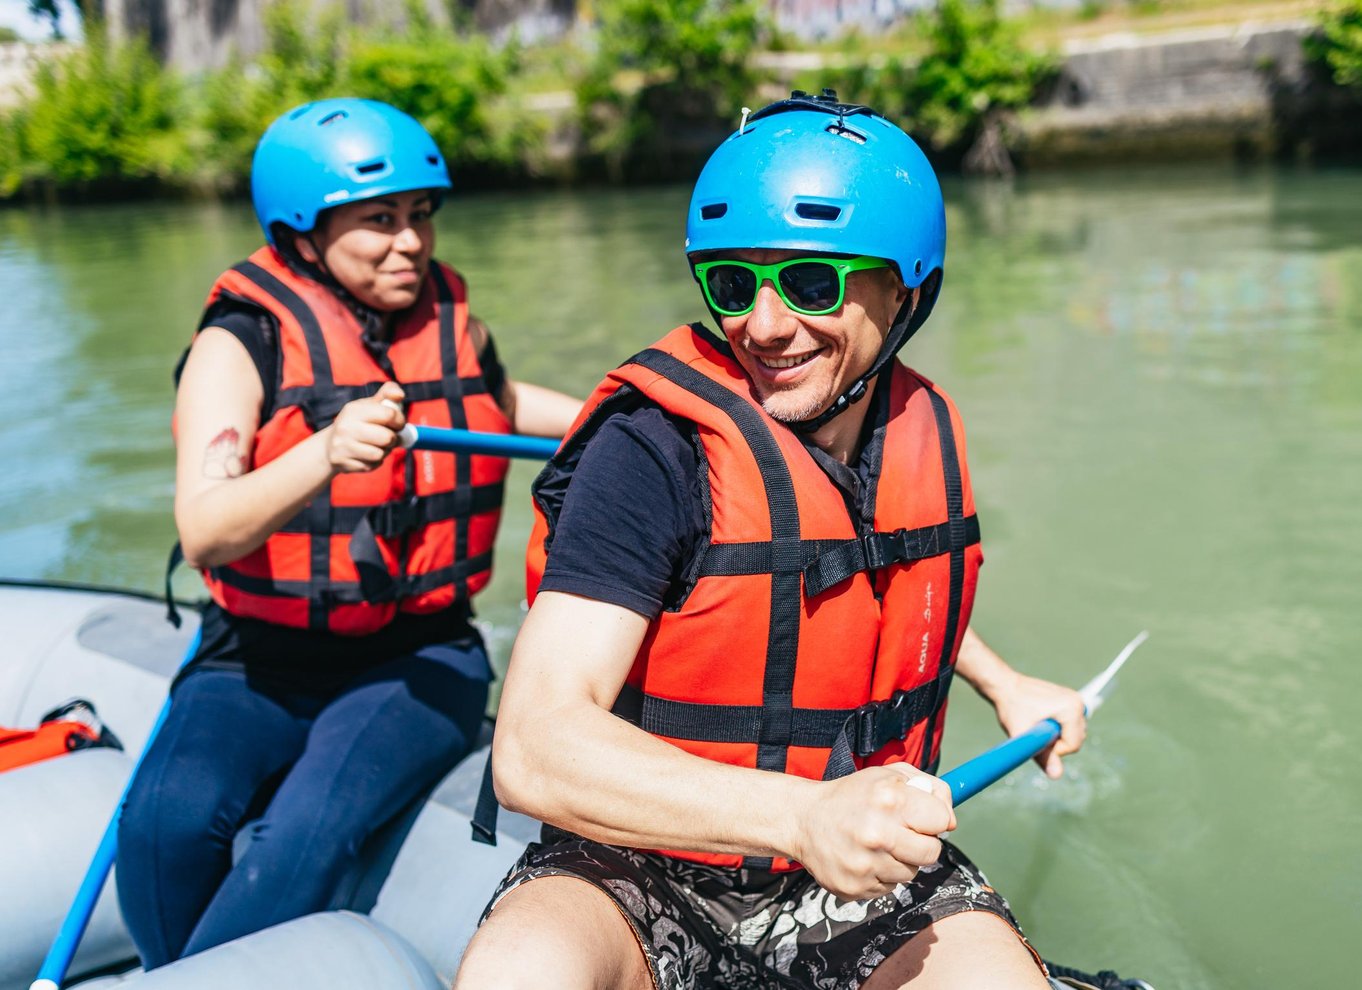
(456, 87)
(1337, 44)
(112, 114)
(301, 62)
(445, 81)
(665, 71)
(98, 112)
(974, 66)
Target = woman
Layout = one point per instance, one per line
(338, 677)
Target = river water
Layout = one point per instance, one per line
(1161, 376)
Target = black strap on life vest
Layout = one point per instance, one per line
(876, 724)
(484, 823)
(955, 515)
(827, 563)
(773, 731)
(175, 560)
(352, 592)
(775, 723)
(878, 550)
(458, 418)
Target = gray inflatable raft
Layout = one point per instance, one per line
(400, 921)
(420, 889)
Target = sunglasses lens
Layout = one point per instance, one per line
(811, 286)
(731, 288)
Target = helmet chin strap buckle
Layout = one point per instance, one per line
(904, 326)
(842, 403)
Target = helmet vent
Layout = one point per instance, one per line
(432, 160)
(817, 211)
(713, 211)
(917, 267)
(369, 168)
(331, 118)
(846, 132)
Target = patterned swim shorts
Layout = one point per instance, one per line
(703, 926)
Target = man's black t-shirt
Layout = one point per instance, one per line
(633, 516)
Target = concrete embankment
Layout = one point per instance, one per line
(1242, 90)
(18, 60)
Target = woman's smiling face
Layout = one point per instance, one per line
(378, 249)
(800, 364)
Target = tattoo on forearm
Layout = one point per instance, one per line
(222, 459)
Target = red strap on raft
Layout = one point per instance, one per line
(69, 728)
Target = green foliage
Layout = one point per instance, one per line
(111, 113)
(8, 34)
(447, 82)
(101, 111)
(301, 62)
(1337, 44)
(456, 87)
(974, 65)
(665, 68)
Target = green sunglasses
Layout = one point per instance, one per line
(811, 286)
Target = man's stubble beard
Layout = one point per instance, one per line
(779, 408)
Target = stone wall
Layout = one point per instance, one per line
(1238, 90)
(16, 66)
(204, 34)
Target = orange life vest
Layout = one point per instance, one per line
(69, 728)
(806, 643)
(413, 535)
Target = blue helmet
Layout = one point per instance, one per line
(339, 151)
(812, 174)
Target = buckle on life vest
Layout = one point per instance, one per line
(395, 518)
(878, 723)
(873, 726)
(883, 549)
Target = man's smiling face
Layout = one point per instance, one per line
(800, 364)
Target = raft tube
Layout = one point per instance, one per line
(421, 879)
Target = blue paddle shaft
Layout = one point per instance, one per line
(494, 444)
(63, 950)
(971, 777)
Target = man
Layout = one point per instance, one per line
(759, 556)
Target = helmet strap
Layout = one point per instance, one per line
(905, 324)
(373, 322)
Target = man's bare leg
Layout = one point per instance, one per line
(554, 931)
(975, 950)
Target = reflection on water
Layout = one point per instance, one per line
(1159, 374)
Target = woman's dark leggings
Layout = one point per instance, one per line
(344, 765)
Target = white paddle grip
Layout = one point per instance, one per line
(407, 435)
(922, 783)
